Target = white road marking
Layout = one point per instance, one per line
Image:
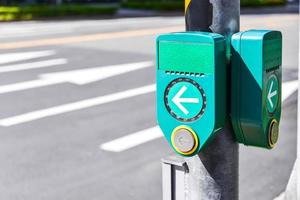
(28, 85)
(39, 114)
(79, 77)
(85, 76)
(33, 65)
(135, 139)
(132, 140)
(288, 88)
(14, 57)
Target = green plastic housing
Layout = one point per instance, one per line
(256, 61)
(199, 57)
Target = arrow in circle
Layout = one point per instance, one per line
(178, 100)
(271, 94)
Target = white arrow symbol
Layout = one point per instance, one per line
(79, 77)
(271, 94)
(178, 100)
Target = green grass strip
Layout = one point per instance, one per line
(46, 11)
(179, 4)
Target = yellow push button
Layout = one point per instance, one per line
(273, 133)
(184, 140)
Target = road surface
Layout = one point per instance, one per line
(77, 115)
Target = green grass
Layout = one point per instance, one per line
(179, 4)
(43, 11)
(155, 5)
(256, 3)
(46, 11)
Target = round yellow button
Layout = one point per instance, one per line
(273, 133)
(184, 140)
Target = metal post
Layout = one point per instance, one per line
(218, 162)
(213, 174)
(198, 15)
(174, 170)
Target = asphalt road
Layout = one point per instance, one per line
(61, 127)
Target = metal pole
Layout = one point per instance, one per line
(215, 169)
(198, 15)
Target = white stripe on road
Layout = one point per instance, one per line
(143, 136)
(14, 57)
(79, 77)
(28, 85)
(39, 114)
(288, 88)
(132, 140)
(33, 65)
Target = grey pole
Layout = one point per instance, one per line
(215, 169)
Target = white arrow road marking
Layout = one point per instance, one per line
(271, 94)
(33, 65)
(14, 57)
(28, 85)
(127, 142)
(39, 114)
(79, 77)
(85, 76)
(178, 100)
(132, 140)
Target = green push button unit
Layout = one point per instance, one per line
(256, 87)
(191, 71)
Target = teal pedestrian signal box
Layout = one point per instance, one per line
(191, 88)
(256, 87)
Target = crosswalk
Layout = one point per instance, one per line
(10, 63)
